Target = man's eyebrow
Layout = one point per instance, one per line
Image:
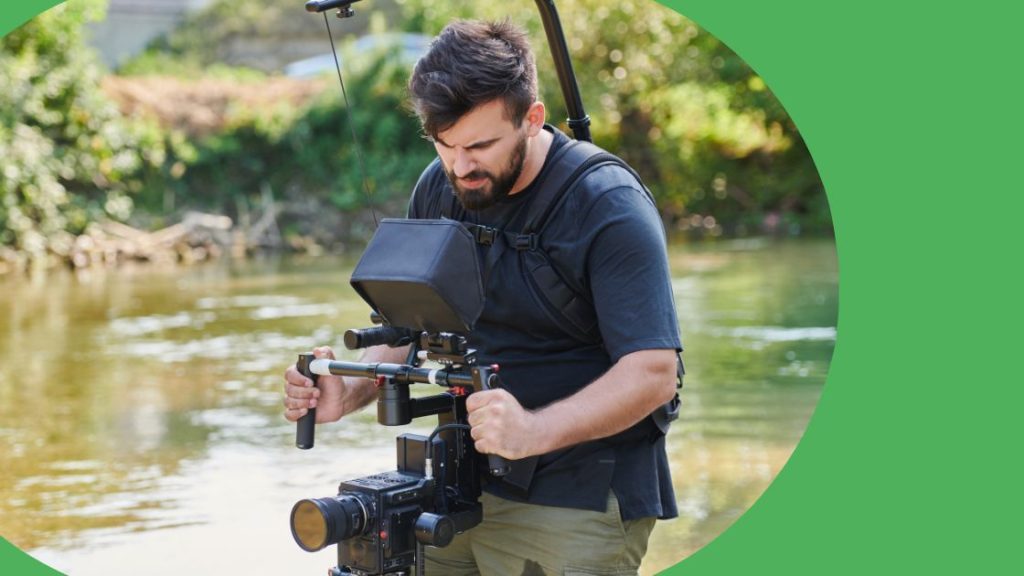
(483, 143)
(480, 144)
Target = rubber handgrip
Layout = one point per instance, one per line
(497, 465)
(305, 427)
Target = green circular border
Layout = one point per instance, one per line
(906, 114)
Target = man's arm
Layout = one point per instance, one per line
(335, 396)
(632, 388)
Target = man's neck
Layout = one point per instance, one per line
(536, 153)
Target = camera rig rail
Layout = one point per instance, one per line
(395, 404)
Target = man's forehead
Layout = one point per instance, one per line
(481, 124)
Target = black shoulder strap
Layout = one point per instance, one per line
(573, 160)
(568, 164)
(567, 300)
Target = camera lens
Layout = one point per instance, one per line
(320, 522)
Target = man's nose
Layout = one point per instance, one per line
(463, 163)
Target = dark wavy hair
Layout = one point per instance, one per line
(472, 63)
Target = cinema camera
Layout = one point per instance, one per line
(422, 279)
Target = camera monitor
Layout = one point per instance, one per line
(422, 274)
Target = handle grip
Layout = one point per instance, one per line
(367, 337)
(305, 427)
(486, 378)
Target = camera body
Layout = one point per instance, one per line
(379, 522)
(393, 501)
(402, 508)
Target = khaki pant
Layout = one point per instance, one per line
(518, 539)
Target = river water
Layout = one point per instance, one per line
(140, 409)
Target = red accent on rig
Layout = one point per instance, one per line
(383, 535)
(458, 390)
(495, 367)
(380, 381)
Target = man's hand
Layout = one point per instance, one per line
(500, 425)
(631, 389)
(330, 398)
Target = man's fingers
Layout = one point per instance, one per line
(300, 394)
(292, 376)
(478, 400)
(297, 403)
(293, 391)
(294, 414)
(473, 403)
(484, 445)
(323, 352)
(480, 441)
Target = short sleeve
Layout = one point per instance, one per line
(628, 272)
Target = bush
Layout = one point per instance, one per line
(69, 156)
(306, 155)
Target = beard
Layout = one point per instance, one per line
(497, 186)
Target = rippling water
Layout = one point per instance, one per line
(140, 416)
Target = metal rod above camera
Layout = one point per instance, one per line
(399, 373)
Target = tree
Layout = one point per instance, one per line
(69, 156)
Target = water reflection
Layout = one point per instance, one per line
(140, 410)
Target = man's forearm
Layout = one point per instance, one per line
(631, 389)
(364, 390)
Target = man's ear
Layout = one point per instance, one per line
(535, 117)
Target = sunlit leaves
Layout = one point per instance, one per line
(68, 154)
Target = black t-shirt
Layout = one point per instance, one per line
(608, 236)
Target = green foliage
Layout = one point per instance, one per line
(69, 157)
(308, 156)
(713, 143)
(224, 33)
(687, 112)
(156, 63)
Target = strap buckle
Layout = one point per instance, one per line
(484, 234)
(526, 242)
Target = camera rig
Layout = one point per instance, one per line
(422, 279)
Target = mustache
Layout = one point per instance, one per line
(476, 175)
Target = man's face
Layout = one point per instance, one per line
(483, 155)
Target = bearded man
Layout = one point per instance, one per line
(578, 408)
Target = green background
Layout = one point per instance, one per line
(913, 115)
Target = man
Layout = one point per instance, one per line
(582, 407)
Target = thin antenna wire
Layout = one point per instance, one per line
(351, 124)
